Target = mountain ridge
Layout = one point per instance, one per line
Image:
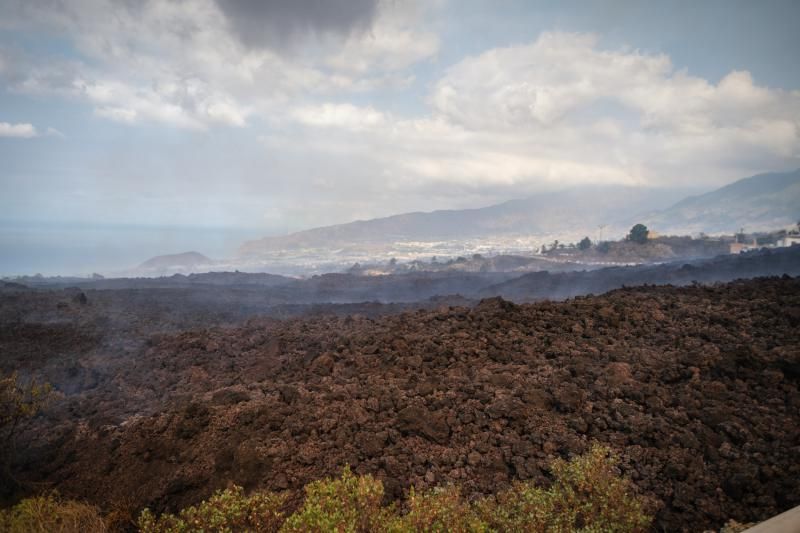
(763, 201)
(542, 213)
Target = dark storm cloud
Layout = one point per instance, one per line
(277, 23)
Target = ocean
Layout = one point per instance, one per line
(77, 249)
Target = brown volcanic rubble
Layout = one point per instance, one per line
(696, 387)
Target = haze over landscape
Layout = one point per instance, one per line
(399, 265)
(168, 119)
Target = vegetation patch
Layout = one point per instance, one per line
(587, 494)
(51, 514)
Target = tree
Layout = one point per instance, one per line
(638, 234)
(585, 243)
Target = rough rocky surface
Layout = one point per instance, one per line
(696, 387)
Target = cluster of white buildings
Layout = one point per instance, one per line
(791, 237)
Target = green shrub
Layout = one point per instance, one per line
(51, 514)
(19, 401)
(227, 510)
(346, 504)
(587, 495)
(439, 510)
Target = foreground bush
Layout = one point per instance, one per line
(51, 514)
(587, 495)
(349, 503)
(226, 510)
(441, 509)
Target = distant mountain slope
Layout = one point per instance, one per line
(185, 261)
(558, 212)
(765, 201)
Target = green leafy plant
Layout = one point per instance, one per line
(50, 514)
(587, 495)
(439, 510)
(348, 503)
(226, 511)
(19, 401)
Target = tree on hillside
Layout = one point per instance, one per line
(585, 244)
(638, 234)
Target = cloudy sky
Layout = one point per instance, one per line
(285, 114)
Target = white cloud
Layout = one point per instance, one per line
(22, 131)
(558, 111)
(395, 41)
(345, 116)
(26, 131)
(537, 85)
(188, 103)
(563, 111)
(53, 132)
(178, 63)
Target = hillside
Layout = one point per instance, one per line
(762, 202)
(542, 214)
(186, 261)
(765, 201)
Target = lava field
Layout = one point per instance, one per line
(696, 387)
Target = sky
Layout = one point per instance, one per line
(279, 115)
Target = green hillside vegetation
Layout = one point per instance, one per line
(587, 495)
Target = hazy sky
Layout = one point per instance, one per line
(284, 114)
